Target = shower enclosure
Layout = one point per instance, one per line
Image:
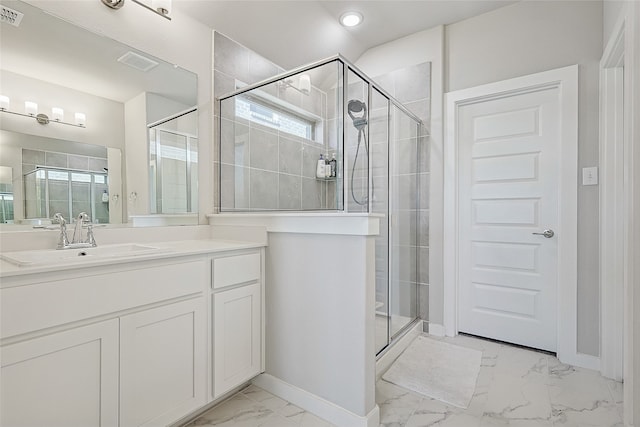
(278, 142)
(54, 190)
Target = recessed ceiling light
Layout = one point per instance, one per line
(351, 19)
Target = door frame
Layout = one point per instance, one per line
(622, 48)
(566, 81)
(612, 204)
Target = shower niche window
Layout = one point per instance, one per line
(276, 135)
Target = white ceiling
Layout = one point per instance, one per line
(296, 32)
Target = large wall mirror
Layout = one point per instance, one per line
(131, 151)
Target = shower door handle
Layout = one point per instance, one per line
(546, 233)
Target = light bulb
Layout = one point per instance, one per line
(351, 19)
(57, 114)
(31, 108)
(81, 119)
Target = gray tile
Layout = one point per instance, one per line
(35, 157)
(79, 162)
(290, 156)
(310, 157)
(58, 160)
(387, 83)
(421, 108)
(58, 190)
(235, 142)
(230, 57)
(423, 306)
(235, 184)
(80, 192)
(312, 192)
(97, 165)
(313, 102)
(423, 265)
(425, 182)
(263, 150)
(403, 189)
(260, 68)
(424, 154)
(423, 227)
(223, 84)
(59, 207)
(290, 192)
(264, 189)
(412, 83)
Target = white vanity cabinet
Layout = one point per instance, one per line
(237, 320)
(163, 360)
(133, 343)
(64, 379)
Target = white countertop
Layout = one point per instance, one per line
(164, 250)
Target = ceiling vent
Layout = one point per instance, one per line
(137, 61)
(10, 16)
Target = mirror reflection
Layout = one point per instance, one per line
(80, 114)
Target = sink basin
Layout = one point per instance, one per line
(53, 256)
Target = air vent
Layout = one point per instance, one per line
(10, 16)
(137, 61)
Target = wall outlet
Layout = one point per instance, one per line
(590, 176)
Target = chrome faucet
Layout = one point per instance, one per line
(77, 241)
(63, 240)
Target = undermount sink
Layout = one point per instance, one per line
(52, 256)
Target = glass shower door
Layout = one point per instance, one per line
(403, 209)
(379, 143)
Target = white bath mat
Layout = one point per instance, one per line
(437, 369)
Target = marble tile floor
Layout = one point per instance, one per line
(516, 387)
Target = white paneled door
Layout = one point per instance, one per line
(509, 150)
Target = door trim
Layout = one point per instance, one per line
(566, 81)
(612, 205)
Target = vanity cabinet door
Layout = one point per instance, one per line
(237, 337)
(163, 363)
(65, 379)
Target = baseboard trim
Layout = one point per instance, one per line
(582, 360)
(326, 410)
(436, 330)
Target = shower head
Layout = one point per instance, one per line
(356, 106)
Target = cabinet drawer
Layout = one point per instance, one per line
(233, 270)
(43, 305)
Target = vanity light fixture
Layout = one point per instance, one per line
(351, 19)
(31, 110)
(159, 7)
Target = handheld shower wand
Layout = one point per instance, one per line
(356, 106)
(360, 123)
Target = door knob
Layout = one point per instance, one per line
(546, 233)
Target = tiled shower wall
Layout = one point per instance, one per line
(264, 168)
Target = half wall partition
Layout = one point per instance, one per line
(325, 137)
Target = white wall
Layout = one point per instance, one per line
(137, 148)
(519, 39)
(530, 37)
(612, 11)
(182, 41)
(320, 298)
(105, 118)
